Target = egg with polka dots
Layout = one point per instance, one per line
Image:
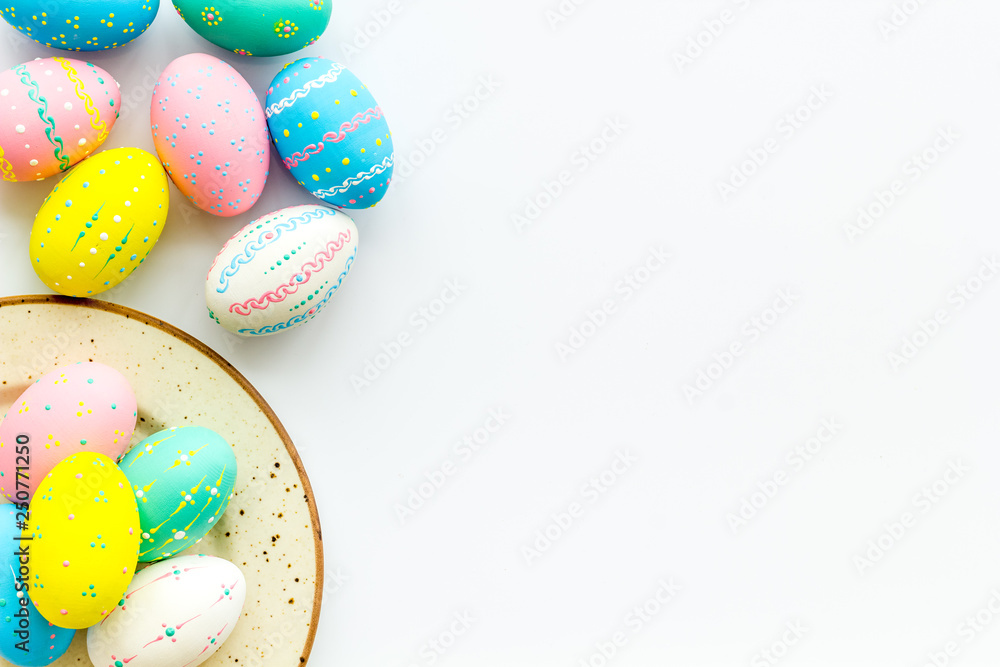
(175, 612)
(281, 270)
(54, 112)
(330, 133)
(183, 480)
(80, 25)
(84, 526)
(19, 620)
(271, 28)
(84, 407)
(100, 222)
(211, 134)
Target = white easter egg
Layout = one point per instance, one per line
(281, 270)
(178, 611)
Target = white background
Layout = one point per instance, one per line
(394, 585)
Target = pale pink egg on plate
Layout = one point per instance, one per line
(85, 407)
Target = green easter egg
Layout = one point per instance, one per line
(271, 28)
(183, 479)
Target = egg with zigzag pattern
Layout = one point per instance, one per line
(330, 133)
(281, 270)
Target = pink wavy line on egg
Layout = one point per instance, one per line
(281, 293)
(362, 117)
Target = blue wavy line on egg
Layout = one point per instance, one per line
(35, 95)
(299, 319)
(251, 249)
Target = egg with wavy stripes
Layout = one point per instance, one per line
(183, 480)
(57, 111)
(211, 134)
(84, 407)
(281, 270)
(26, 638)
(271, 28)
(84, 526)
(177, 612)
(330, 133)
(81, 25)
(100, 222)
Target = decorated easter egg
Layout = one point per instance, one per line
(85, 407)
(81, 25)
(175, 612)
(281, 270)
(56, 111)
(271, 28)
(211, 134)
(330, 133)
(26, 638)
(100, 222)
(183, 480)
(84, 526)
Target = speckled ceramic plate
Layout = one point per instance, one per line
(271, 529)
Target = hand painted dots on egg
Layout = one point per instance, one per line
(55, 116)
(211, 134)
(266, 29)
(96, 259)
(330, 133)
(83, 26)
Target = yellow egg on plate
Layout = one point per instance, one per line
(84, 529)
(99, 223)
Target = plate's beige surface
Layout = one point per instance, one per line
(271, 529)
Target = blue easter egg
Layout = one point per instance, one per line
(330, 132)
(26, 638)
(81, 25)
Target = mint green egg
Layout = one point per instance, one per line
(271, 28)
(183, 479)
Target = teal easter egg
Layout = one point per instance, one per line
(271, 28)
(330, 133)
(26, 638)
(81, 25)
(183, 479)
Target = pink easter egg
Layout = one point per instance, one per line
(211, 134)
(54, 112)
(86, 407)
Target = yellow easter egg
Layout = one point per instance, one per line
(84, 527)
(100, 222)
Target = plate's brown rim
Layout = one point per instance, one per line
(94, 304)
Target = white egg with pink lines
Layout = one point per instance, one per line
(175, 612)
